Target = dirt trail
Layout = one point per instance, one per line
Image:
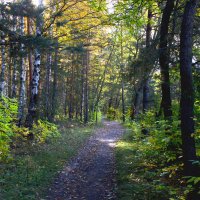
(91, 175)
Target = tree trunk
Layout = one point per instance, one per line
(54, 92)
(30, 63)
(66, 100)
(71, 97)
(14, 78)
(123, 103)
(122, 75)
(14, 60)
(187, 91)
(47, 85)
(22, 92)
(82, 90)
(10, 73)
(145, 101)
(3, 65)
(164, 60)
(136, 102)
(146, 82)
(86, 112)
(32, 109)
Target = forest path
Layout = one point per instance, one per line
(90, 175)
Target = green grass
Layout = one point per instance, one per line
(33, 168)
(137, 178)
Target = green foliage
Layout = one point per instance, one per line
(140, 167)
(8, 114)
(28, 176)
(149, 165)
(12, 135)
(96, 117)
(44, 131)
(113, 114)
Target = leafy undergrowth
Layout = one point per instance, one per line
(33, 167)
(139, 173)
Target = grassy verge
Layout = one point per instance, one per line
(138, 178)
(34, 166)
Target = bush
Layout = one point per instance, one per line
(8, 115)
(158, 151)
(162, 145)
(44, 130)
(113, 114)
(12, 135)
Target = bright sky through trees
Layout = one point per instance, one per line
(35, 2)
(110, 5)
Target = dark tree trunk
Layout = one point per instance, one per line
(82, 91)
(72, 93)
(54, 92)
(164, 60)
(47, 85)
(187, 91)
(70, 110)
(30, 63)
(66, 100)
(122, 77)
(110, 102)
(86, 112)
(123, 103)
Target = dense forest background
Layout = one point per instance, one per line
(137, 61)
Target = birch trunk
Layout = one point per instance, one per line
(32, 109)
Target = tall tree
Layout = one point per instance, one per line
(55, 82)
(164, 59)
(86, 95)
(22, 92)
(122, 74)
(3, 64)
(146, 81)
(32, 109)
(47, 85)
(187, 91)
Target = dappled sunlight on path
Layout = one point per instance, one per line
(90, 175)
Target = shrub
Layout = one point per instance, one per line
(44, 130)
(8, 115)
(113, 114)
(12, 135)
